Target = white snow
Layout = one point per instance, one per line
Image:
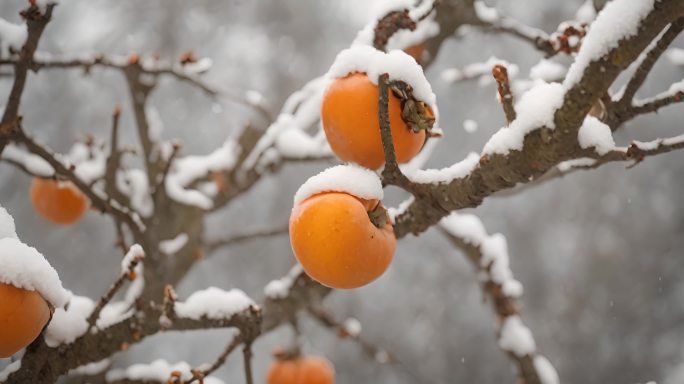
(294, 143)
(470, 126)
(495, 261)
(213, 303)
(516, 337)
(91, 369)
(485, 13)
(617, 21)
(159, 370)
(7, 228)
(401, 208)
(586, 13)
(33, 163)
(535, 109)
(255, 98)
(675, 55)
(280, 288)
(26, 268)
(655, 144)
(352, 326)
(596, 134)
(481, 71)
(548, 70)
(396, 63)
(12, 36)
(174, 245)
(567, 165)
(133, 183)
(352, 179)
(545, 370)
(135, 252)
(10, 369)
(445, 175)
(190, 168)
(69, 324)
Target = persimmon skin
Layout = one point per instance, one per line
(337, 244)
(303, 370)
(23, 315)
(350, 120)
(61, 203)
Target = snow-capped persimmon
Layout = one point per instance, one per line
(336, 243)
(23, 314)
(301, 370)
(57, 201)
(350, 119)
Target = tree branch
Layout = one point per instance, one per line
(213, 245)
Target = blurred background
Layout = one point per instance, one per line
(600, 253)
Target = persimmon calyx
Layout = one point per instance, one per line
(292, 353)
(415, 113)
(378, 216)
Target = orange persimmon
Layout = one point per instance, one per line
(23, 314)
(350, 119)
(336, 243)
(301, 370)
(59, 202)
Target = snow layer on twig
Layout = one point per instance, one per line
(69, 324)
(675, 55)
(10, 369)
(535, 109)
(134, 252)
(545, 370)
(516, 337)
(548, 70)
(33, 163)
(280, 288)
(445, 175)
(174, 245)
(26, 268)
(617, 21)
(213, 303)
(352, 179)
(91, 369)
(7, 227)
(12, 36)
(594, 133)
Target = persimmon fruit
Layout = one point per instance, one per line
(301, 370)
(336, 242)
(349, 114)
(23, 315)
(59, 202)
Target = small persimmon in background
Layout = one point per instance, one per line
(350, 119)
(23, 314)
(416, 51)
(60, 202)
(336, 243)
(301, 370)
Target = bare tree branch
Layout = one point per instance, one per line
(213, 245)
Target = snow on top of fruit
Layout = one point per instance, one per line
(516, 338)
(546, 372)
(351, 179)
(617, 21)
(158, 371)
(280, 288)
(7, 228)
(12, 36)
(594, 133)
(190, 168)
(495, 258)
(445, 175)
(213, 303)
(535, 109)
(26, 268)
(398, 64)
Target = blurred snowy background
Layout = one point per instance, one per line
(600, 253)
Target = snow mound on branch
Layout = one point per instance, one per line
(445, 175)
(593, 133)
(213, 303)
(352, 179)
(535, 109)
(516, 337)
(7, 228)
(135, 252)
(398, 64)
(548, 71)
(69, 324)
(172, 246)
(33, 163)
(546, 372)
(157, 371)
(12, 36)
(617, 21)
(280, 288)
(485, 12)
(675, 55)
(10, 369)
(26, 268)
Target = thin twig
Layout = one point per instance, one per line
(219, 362)
(247, 354)
(242, 237)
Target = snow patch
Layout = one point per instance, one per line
(445, 175)
(516, 337)
(7, 227)
(545, 370)
(12, 36)
(280, 288)
(675, 55)
(594, 133)
(213, 303)
(172, 246)
(352, 179)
